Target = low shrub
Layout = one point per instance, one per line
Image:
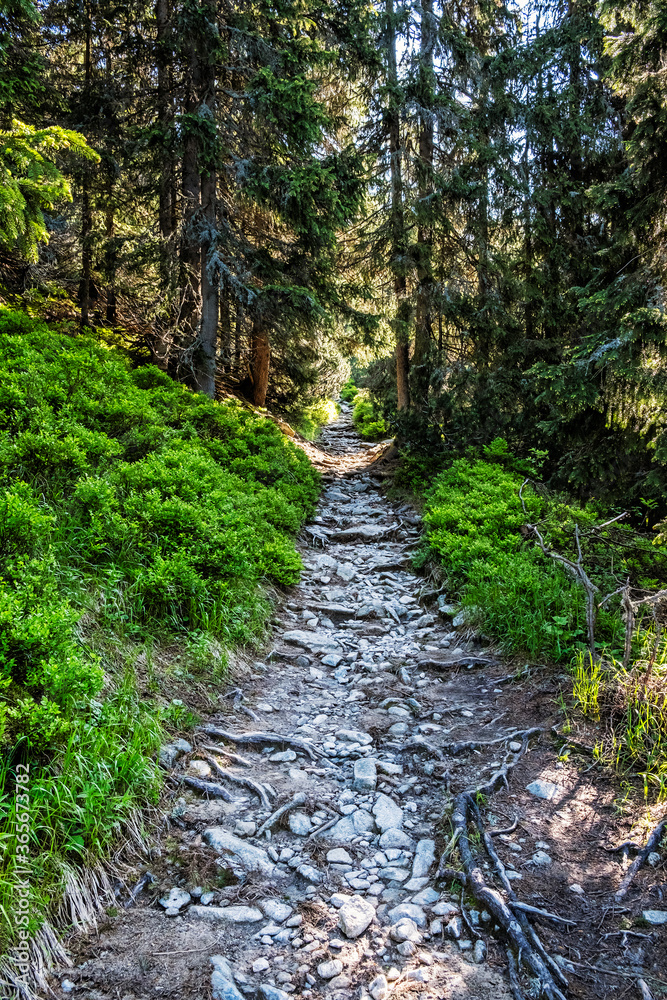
(309, 420)
(367, 417)
(348, 391)
(135, 509)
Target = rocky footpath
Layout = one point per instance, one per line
(301, 854)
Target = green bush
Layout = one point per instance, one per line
(309, 420)
(132, 508)
(367, 419)
(348, 391)
(531, 604)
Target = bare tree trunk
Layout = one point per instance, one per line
(423, 318)
(208, 336)
(261, 357)
(167, 210)
(191, 191)
(86, 210)
(398, 249)
(110, 263)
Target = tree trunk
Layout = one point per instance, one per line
(425, 179)
(167, 209)
(86, 210)
(110, 262)
(261, 356)
(398, 248)
(208, 335)
(191, 190)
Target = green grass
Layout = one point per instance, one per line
(309, 420)
(531, 606)
(367, 417)
(134, 515)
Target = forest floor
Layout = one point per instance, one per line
(359, 700)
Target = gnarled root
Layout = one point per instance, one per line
(299, 799)
(263, 739)
(523, 944)
(651, 845)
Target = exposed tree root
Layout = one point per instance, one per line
(651, 845)
(457, 661)
(209, 788)
(299, 799)
(262, 739)
(524, 947)
(237, 779)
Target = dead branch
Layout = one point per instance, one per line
(577, 570)
(262, 739)
(299, 800)
(237, 779)
(651, 844)
(644, 990)
(234, 757)
(537, 912)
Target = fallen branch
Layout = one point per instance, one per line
(209, 788)
(651, 844)
(237, 779)
(299, 800)
(236, 758)
(262, 739)
(644, 990)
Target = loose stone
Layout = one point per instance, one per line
(355, 915)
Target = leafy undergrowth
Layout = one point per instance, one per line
(134, 515)
(366, 414)
(309, 420)
(533, 606)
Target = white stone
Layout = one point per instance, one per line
(327, 970)
(655, 917)
(426, 897)
(300, 824)
(576, 888)
(349, 827)
(284, 756)
(355, 915)
(396, 838)
(272, 992)
(405, 929)
(245, 828)
(231, 914)
(388, 815)
(339, 856)
(365, 775)
(515, 746)
(424, 858)
(314, 642)
(541, 858)
(378, 987)
(411, 910)
(260, 965)
(479, 951)
(176, 899)
(354, 736)
(199, 769)
(243, 855)
(545, 790)
(275, 910)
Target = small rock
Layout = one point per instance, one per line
(655, 917)
(355, 915)
(393, 974)
(405, 929)
(515, 746)
(260, 965)
(388, 815)
(170, 753)
(653, 859)
(410, 910)
(406, 948)
(354, 736)
(283, 757)
(424, 858)
(245, 828)
(339, 856)
(387, 767)
(541, 858)
(67, 986)
(399, 729)
(222, 980)
(311, 873)
(545, 790)
(465, 944)
(272, 992)
(300, 824)
(479, 951)
(331, 659)
(365, 775)
(232, 914)
(417, 976)
(426, 897)
(378, 987)
(396, 838)
(246, 856)
(393, 874)
(327, 970)
(176, 899)
(199, 769)
(206, 898)
(453, 928)
(275, 910)
(339, 982)
(576, 888)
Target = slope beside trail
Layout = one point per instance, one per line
(359, 701)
